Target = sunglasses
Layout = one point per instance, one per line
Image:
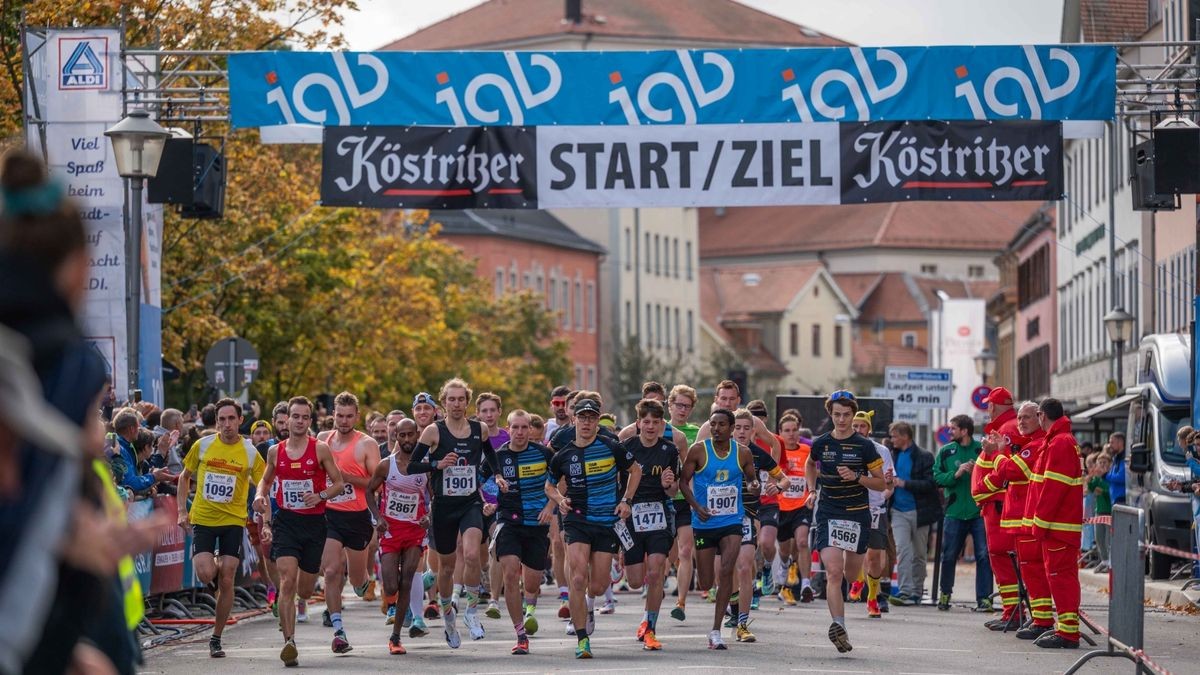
(841, 395)
(558, 402)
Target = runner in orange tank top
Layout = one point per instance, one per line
(350, 516)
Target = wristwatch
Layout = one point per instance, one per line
(624, 500)
(322, 495)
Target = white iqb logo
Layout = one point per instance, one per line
(516, 109)
(509, 471)
(703, 97)
(967, 90)
(344, 93)
(859, 93)
(576, 469)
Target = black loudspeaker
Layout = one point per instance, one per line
(208, 195)
(173, 182)
(1177, 160)
(1141, 179)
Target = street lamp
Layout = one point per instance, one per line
(1119, 325)
(138, 143)
(985, 364)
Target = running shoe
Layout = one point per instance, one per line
(451, 630)
(493, 610)
(609, 607)
(418, 628)
(901, 600)
(943, 604)
(754, 602)
(326, 620)
(883, 606)
(369, 594)
(271, 593)
(570, 628)
(590, 624)
(839, 637)
(786, 595)
(391, 616)
(408, 618)
(275, 608)
(431, 610)
(793, 574)
(474, 625)
(873, 610)
(743, 633)
(583, 650)
(650, 642)
(730, 619)
(289, 654)
(806, 594)
(984, 605)
(522, 646)
(678, 613)
(715, 641)
(768, 584)
(564, 610)
(711, 595)
(856, 590)
(301, 610)
(214, 648)
(361, 591)
(641, 631)
(394, 646)
(531, 624)
(340, 644)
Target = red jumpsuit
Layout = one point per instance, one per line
(1057, 505)
(1016, 471)
(991, 502)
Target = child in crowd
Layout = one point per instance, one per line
(1097, 485)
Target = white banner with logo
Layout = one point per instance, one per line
(73, 86)
(959, 331)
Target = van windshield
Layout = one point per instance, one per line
(1169, 421)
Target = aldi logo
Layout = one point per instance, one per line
(80, 65)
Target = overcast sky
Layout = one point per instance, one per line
(863, 22)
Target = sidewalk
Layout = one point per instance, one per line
(1160, 593)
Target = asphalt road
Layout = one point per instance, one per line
(912, 641)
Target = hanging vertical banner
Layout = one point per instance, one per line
(74, 82)
(961, 338)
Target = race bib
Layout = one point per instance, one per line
(722, 500)
(402, 505)
(623, 535)
(346, 495)
(747, 530)
(458, 481)
(649, 517)
(293, 493)
(876, 515)
(844, 534)
(796, 488)
(218, 487)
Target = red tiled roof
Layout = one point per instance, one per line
(856, 285)
(986, 226)
(710, 307)
(504, 22)
(898, 296)
(1113, 20)
(755, 289)
(870, 358)
(955, 288)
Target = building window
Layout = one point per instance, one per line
(565, 298)
(691, 333)
(512, 277)
(552, 293)
(526, 280)
(1033, 374)
(676, 257)
(591, 378)
(1033, 328)
(658, 331)
(688, 259)
(649, 325)
(579, 306)
(794, 339)
(540, 280)
(591, 306)
(499, 281)
(578, 376)
(909, 340)
(628, 320)
(1033, 277)
(975, 271)
(816, 339)
(628, 249)
(928, 268)
(837, 341)
(648, 269)
(678, 334)
(657, 260)
(667, 328)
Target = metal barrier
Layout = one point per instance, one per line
(1127, 592)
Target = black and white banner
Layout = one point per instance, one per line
(709, 165)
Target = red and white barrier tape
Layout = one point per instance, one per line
(1140, 654)
(1187, 555)
(1098, 520)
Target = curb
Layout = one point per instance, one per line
(1160, 593)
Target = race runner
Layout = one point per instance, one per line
(877, 538)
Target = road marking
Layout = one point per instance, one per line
(607, 670)
(932, 649)
(714, 668)
(822, 670)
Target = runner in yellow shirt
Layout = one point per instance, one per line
(224, 465)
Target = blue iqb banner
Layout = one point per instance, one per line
(1057, 82)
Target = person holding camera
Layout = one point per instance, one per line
(1188, 440)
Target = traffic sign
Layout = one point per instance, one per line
(922, 388)
(943, 435)
(231, 364)
(1110, 388)
(977, 396)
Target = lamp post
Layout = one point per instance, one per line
(985, 364)
(138, 143)
(1119, 325)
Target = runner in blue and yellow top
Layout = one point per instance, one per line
(711, 479)
(843, 465)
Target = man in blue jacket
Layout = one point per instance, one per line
(126, 425)
(1116, 475)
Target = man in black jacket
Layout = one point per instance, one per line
(913, 508)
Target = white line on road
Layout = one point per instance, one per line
(607, 670)
(841, 672)
(932, 649)
(714, 668)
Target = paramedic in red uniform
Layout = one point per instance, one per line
(1001, 438)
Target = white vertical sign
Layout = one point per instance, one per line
(961, 332)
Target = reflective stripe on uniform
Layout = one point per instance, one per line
(1060, 527)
